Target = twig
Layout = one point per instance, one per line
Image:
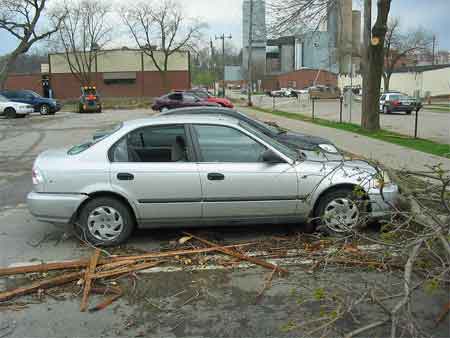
(407, 279)
(366, 328)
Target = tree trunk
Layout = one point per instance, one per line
(370, 117)
(5, 70)
(366, 42)
(387, 81)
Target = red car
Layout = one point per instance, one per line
(204, 95)
(180, 100)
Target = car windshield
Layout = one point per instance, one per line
(86, 145)
(34, 94)
(275, 144)
(3, 99)
(264, 127)
(201, 94)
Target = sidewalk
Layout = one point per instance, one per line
(389, 154)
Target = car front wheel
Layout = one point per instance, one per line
(44, 109)
(106, 221)
(10, 113)
(339, 210)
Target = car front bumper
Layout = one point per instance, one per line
(54, 208)
(383, 202)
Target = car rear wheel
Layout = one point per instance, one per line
(10, 113)
(44, 109)
(339, 210)
(408, 112)
(164, 109)
(106, 221)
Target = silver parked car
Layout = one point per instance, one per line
(199, 171)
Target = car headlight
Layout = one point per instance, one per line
(37, 176)
(382, 180)
(329, 148)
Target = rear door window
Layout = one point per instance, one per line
(153, 144)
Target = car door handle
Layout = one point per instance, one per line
(216, 177)
(125, 177)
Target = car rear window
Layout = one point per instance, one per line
(79, 148)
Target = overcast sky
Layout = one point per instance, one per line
(224, 16)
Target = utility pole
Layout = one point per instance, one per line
(223, 37)
(250, 62)
(367, 37)
(434, 50)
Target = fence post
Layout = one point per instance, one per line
(313, 107)
(273, 103)
(341, 99)
(416, 125)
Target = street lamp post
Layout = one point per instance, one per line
(223, 37)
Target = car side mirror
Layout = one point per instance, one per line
(270, 157)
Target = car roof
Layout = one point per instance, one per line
(177, 119)
(203, 109)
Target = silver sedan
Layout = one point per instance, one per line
(199, 171)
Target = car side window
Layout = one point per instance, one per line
(383, 97)
(176, 97)
(189, 98)
(226, 144)
(153, 144)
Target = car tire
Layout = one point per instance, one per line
(44, 109)
(163, 109)
(386, 110)
(106, 221)
(345, 204)
(10, 113)
(408, 112)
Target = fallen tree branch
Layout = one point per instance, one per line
(43, 284)
(88, 279)
(238, 255)
(83, 263)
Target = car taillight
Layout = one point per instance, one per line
(395, 102)
(37, 176)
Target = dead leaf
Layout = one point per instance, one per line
(350, 249)
(184, 239)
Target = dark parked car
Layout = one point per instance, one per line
(42, 105)
(291, 139)
(180, 100)
(391, 102)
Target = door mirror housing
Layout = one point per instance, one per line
(270, 157)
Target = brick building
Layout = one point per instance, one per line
(117, 73)
(300, 79)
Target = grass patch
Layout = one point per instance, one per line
(438, 108)
(423, 145)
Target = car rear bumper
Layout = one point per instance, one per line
(383, 203)
(54, 208)
(402, 108)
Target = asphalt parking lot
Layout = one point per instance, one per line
(432, 125)
(179, 303)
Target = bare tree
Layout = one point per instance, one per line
(22, 19)
(401, 45)
(286, 16)
(161, 28)
(85, 31)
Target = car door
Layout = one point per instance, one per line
(175, 100)
(236, 182)
(153, 166)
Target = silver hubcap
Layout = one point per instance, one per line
(44, 110)
(105, 223)
(341, 215)
(164, 109)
